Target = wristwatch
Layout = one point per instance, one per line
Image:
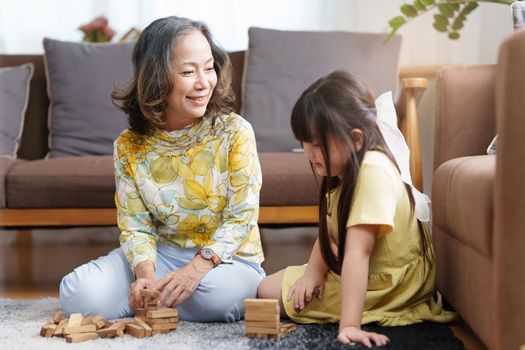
(209, 254)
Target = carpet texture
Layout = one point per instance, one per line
(21, 320)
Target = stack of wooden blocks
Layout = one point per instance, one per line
(152, 319)
(148, 321)
(263, 320)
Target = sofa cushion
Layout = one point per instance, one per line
(14, 94)
(287, 180)
(82, 118)
(5, 166)
(280, 65)
(88, 182)
(462, 200)
(67, 182)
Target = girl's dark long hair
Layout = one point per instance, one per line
(144, 99)
(331, 108)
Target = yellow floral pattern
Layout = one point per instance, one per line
(195, 187)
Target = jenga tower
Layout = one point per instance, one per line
(262, 317)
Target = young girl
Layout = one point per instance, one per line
(373, 260)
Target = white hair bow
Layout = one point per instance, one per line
(387, 122)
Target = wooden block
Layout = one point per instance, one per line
(261, 304)
(162, 312)
(262, 330)
(77, 338)
(152, 308)
(286, 328)
(59, 331)
(262, 317)
(75, 320)
(153, 302)
(141, 323)
(258, 335)
(48, 329)
(123, 320)
(135, 330)
(116, 329)
(59, 316)
(87, 320)
(150, 293)
(140, 311)
(248, 317)
(99, 321)
(174, 319)
(163, 326)
(88, 328)
(271, 324)
(151, 321)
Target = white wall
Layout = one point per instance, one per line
(23, 23)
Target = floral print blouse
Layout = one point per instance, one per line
(195, 187)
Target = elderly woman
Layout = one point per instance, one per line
(188, 181)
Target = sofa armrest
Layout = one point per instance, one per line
(5, 165)
(411, 89)
(465, 120)
(509, 195)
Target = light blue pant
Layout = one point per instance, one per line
(101, 287)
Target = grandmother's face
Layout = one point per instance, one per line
(194, 79)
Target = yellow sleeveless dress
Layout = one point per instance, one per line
(400, 282)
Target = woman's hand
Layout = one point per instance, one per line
(134, 298)
(308, 286)
(353, 334)
(178, 285)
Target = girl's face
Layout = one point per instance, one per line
(194, 79)
(338, 156)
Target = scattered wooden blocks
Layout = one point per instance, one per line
(149, 321)
(262, 317)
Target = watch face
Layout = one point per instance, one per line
(206, 253)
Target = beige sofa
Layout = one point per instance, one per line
(79, 191)
(479, 199)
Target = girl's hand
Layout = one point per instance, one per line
(178, 285)
(352, 334)
(305, 288)
(135, 300)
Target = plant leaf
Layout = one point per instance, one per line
(418, 5)
(457, 24)
(397, 22)
(453, 35)
(409, 10)
(440, 27)
(428, 2)
(446, 10)
(471, 6)
(441, 20)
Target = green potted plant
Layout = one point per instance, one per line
(450, 15)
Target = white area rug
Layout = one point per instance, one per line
(21, 320)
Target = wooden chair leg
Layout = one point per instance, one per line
(24, 245)
(409, 124)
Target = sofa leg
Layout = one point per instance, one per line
(24, 245)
